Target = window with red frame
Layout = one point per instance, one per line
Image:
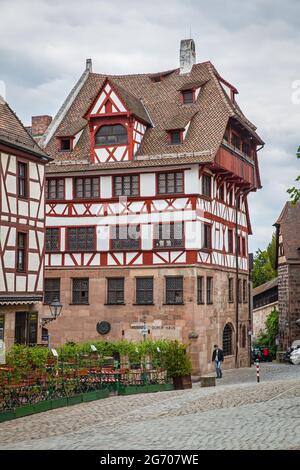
(243, 246)
(86, 187)
(188, 97)
(221, 192)
(230, 241)
(66, 144)
(175, 137)
(170, 183)
(21, 251)
(22, 179)
(206, 185)
(52, 239)
(80, 238)
(206, 237)
(125, 237)
(55, 188)
(126, 185)
(168, 235)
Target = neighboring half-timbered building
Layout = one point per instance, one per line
(147, 213)
(22, 219)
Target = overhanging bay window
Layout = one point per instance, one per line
(168, 235)
(125, 237)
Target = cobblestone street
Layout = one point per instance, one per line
(236, 414)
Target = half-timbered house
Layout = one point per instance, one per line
(147, 212)
(22, 220)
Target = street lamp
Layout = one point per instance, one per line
(55, 310)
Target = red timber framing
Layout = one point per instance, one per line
(109, 108)
(25, 215)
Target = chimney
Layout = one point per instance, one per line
(89, 65)
(187, 55)
(39, 125)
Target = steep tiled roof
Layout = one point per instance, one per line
(161, 100)
(289, 221)
(13, 133)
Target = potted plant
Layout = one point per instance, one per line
(179, 366)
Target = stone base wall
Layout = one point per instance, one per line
(259, 318)
(288, 304)
(78, 322)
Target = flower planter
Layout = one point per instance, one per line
(75, 400)
(182, 383)
(102, 394)
(45, 405)
(24, 411)
(59, 402)
(7, 415)
(89, 396)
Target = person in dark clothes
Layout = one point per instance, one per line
(218, 358)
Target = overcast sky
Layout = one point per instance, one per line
(254, 45)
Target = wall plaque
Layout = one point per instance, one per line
(103, 327)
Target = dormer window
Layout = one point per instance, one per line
(175, 137)
(188, 96)
(66, 144)
(111, 135)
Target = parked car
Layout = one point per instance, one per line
(290, 352)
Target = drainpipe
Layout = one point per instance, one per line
(237, 282)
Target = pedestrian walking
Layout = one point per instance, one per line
(218, 358)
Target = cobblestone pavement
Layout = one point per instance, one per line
(236, 414)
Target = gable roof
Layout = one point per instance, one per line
(289, 223)
(161, 101)
(14, 134)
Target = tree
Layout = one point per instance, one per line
(295, 192)
(267, 338)
(264, 264)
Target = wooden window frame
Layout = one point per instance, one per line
(116, 290)
(23, 250)
(200, 290)
(125, 244)
(141, 289)
(207, 237)
(209, 290)
(164, 187)
(22, 180)
(81, 300)
(167, 243)
(132, 184)
(190, 92)
(174, 290)
(56, 230)
(227, 340)
(94, 188)
(58, 190)
(175, 132)
(90, 228)
(54, 291)
(230, 241)
(206, 185)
